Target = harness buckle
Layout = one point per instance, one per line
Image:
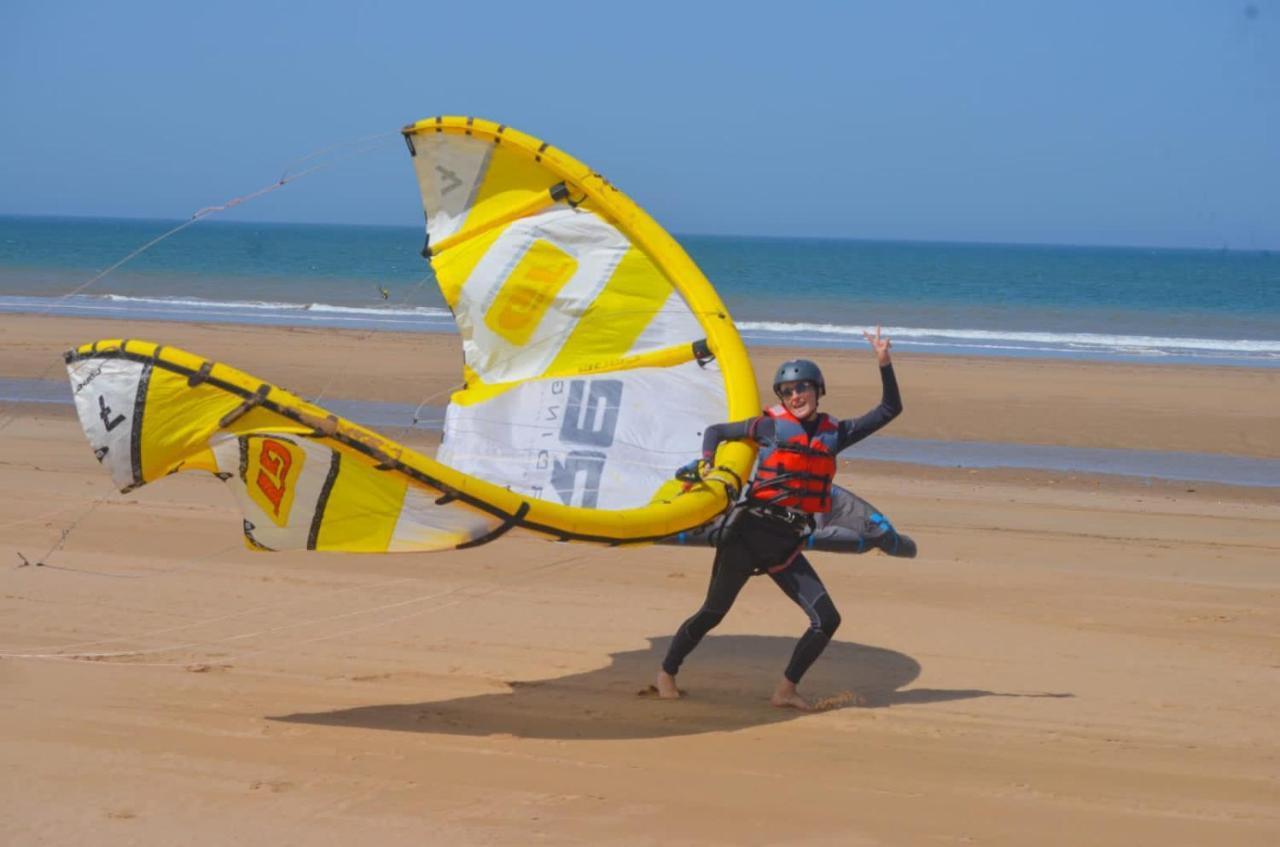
(800, 522)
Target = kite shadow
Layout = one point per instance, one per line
(729, 679)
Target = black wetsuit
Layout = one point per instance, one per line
(758, 544)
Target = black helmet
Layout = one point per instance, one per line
(796, 370)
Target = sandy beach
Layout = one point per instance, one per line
(1071, 660)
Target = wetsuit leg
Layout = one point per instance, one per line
(727, 578)
(802, 584)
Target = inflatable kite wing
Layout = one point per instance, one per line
(595, 352)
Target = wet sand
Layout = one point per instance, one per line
(1072, 659)
(1030, 401)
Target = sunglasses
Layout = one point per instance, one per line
(786, 391)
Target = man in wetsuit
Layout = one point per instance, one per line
(798, 447)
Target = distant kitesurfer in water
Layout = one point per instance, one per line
(766, 529)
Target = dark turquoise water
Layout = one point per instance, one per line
(1128, 303)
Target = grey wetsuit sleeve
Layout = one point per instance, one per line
(714, 434)
(853, 430)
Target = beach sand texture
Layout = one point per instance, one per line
(1072, 659)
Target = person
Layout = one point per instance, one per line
(766, 528)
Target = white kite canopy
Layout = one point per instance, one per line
(595, 353)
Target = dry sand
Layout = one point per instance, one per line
(1072, 660)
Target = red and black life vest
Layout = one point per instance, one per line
(803, 467)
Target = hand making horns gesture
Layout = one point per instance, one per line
(879, 345)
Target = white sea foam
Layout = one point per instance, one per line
(265, 305)
(194, 302)
(1021, 339)
(400, 317)
(430, 311)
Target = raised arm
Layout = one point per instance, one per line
(853, 430)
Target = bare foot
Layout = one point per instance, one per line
(785, 696)
(666, 685)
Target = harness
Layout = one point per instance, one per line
(795, 470)
(786, 526)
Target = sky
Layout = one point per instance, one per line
(1111, 123)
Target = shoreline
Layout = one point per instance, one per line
(1119, 345)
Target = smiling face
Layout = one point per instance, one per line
(800, 398)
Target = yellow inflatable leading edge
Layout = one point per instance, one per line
(595, 353)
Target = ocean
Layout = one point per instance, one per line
(1128, 304)
(1119, 304)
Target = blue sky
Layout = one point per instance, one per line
(1150, 123)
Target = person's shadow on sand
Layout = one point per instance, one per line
(729, 679)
